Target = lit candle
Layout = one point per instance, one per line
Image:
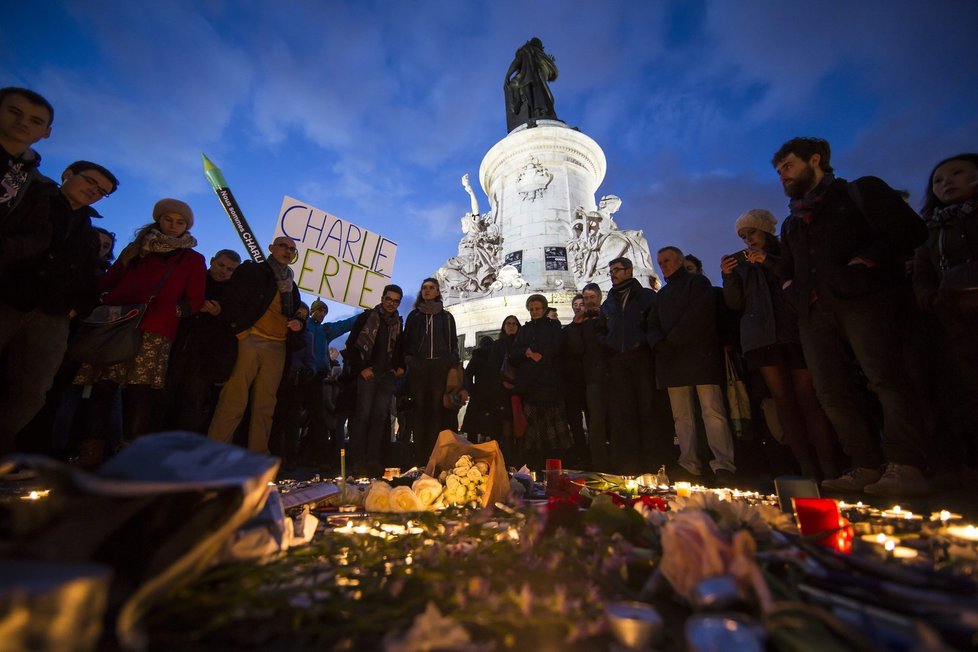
(342, 475)
(683, 489)
(966, 532)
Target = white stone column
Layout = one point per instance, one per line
(535, 179)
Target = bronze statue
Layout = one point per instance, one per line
(528, 97)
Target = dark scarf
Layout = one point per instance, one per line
(367, 336)
(806, 207)
(430, 307)
(623, 290)
(283, 278)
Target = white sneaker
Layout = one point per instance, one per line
(900, 480)
(852, 481)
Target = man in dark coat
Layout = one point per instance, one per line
(204, 351)
(682, 332)
(39, 295)
(375, 354)
(843, 252)
(641, 436)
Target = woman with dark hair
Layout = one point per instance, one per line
(535, 355)
(945, 282)
(160, 268)
(106, 247)
(431, 349)
(771, 345)
(500, 382)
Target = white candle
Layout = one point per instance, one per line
(966, 532)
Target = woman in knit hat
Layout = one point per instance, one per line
(158, 267)
(771, 345)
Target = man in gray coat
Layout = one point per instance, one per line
(682, 332)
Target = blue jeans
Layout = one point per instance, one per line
(872, 329)
(370, 431)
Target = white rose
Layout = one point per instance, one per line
(483, 467)
(427, 489)
(474, 474)
(403, 499)
(451, 481)
(456, 495)
(442, 476)
(378, 497)
(465, 460)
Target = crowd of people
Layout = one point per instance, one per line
(854, 330)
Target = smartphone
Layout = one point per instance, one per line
(740, 257)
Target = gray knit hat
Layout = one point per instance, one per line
(757, 218)
(165, 206)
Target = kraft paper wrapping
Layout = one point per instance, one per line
(449, 447)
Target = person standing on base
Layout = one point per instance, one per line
(843, 251)
(260, 309)
(641, 433)
(375, 353)
(682, 332)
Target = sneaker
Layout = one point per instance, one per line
(681, 474)
(900, 480)
(724, 478)
(853, 481)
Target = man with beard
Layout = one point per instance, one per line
(844, 247)
(641, 435)
(260, 309)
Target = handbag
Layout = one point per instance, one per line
(959, 284)
(737, 398)
(111, 333)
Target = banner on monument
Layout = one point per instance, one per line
(336, 259)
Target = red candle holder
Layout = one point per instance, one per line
(821, 516)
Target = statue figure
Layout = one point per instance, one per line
(472, 199)
(473, 270)
(596, 239)
(528, 95)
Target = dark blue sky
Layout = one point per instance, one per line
(373, 110)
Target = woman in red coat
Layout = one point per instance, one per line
(160, 267)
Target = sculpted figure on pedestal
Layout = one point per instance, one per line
(473, 270)
(528, 96)
(596, 240)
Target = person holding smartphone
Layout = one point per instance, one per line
(771, 345)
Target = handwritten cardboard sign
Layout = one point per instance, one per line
(336, 259)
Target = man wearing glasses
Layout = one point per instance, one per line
(40, 294)
(260, 309)
(374, 351)
(640, 417)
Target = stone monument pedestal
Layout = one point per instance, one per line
(543, 232)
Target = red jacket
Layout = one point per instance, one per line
(135, 284)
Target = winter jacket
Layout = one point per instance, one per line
(253, 288)
(682, 331)
(626, 324)
(870, 221)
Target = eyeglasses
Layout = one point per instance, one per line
(396, 302)
(93, 183)
(285, 246)
(615, 270)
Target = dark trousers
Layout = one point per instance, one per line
(426, 380)
(642, 431)
(575, 405)
(34, 343)
(598, 414)
(371, 427)
(871, 328)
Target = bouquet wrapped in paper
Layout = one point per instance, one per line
(479, 470)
